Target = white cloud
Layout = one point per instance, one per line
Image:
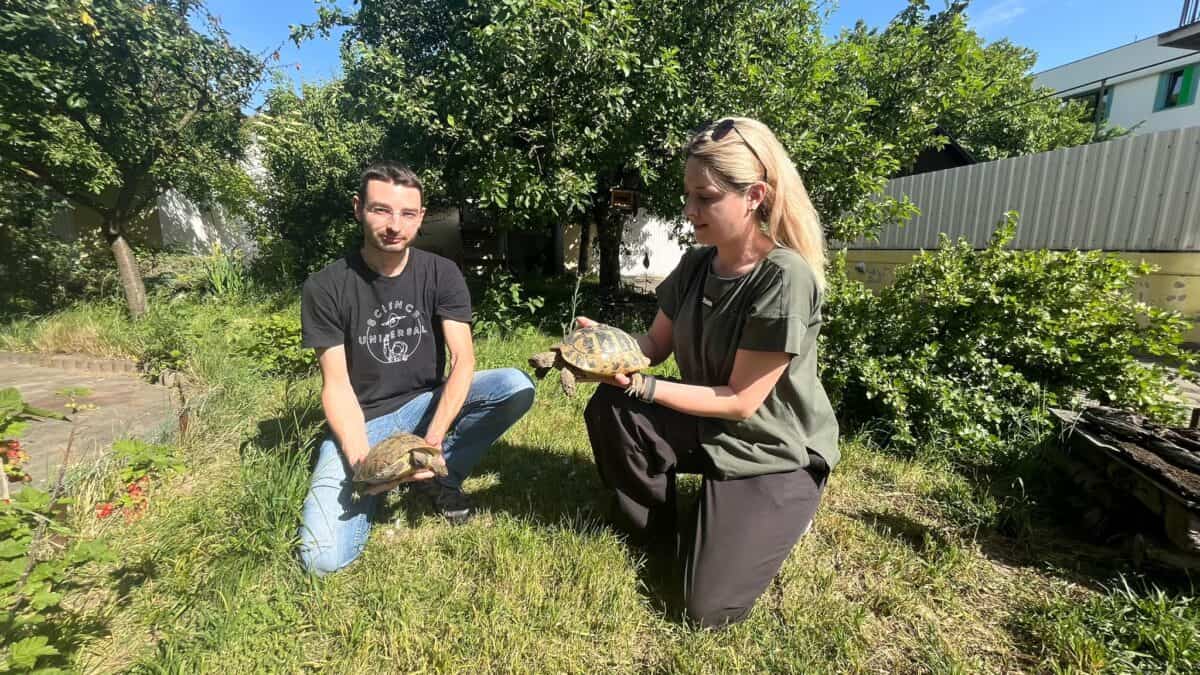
(1000, 14)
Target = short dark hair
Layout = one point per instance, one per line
(388, 172)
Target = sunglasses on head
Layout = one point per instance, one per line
(721, 129)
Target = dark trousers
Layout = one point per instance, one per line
(740, 530)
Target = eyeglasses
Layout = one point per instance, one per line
(385, 213)
(722, 129)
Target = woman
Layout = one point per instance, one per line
(741, 313)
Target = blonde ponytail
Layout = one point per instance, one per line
(737, 160)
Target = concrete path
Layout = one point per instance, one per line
(126, 407)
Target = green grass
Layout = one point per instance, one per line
(900, 574)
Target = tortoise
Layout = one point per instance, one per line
(587, 352)
(398, 457)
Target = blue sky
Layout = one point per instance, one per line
(1059, 30)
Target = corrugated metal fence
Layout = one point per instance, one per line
(1138, 193)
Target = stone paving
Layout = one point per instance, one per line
(126, 407)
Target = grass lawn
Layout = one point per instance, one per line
(897, 575)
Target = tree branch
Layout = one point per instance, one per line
(40, 176)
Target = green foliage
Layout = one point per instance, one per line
(928, 73)
(33, 579)
(40, 272)
(225, 277)
(167, 339)
(1123, 631)
(313, 150)
(15, 413)
(505, 306)
(964, 352)
(143, 459)
(110, 102)
(274, 345)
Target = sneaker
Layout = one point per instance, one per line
(452, 503)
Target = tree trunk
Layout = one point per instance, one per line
(131, 276)
(609, 227)
(585, 247)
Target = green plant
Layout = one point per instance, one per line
(32, 580)
(275, 346)
(15, 415)
(963, 354)
(168, 339)
(142, 462)
(505, 306)
(145, 459)
(33, 575)
(225, 275)
(1122, 631)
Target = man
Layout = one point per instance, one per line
(381, 321)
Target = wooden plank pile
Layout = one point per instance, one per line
(1159, 466)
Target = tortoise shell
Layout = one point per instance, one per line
(603, 350)
(398, 457)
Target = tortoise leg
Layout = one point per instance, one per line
(567, 378)
(635, 381)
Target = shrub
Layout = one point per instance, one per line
(504, 306)
(962, 355)
(274, 345)
(38, 271)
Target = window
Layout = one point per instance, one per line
(1176, 88)
(1091, 100)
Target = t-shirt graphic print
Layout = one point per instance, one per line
(390, 326)
(394, 332)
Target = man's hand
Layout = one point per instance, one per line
(355, 456)
(433, 440)
(384, 487)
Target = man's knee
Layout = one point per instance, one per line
(515, 389)
(319, 561)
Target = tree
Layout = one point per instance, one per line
(109, 102)
(529, 110)
(533, 109)
(313, 152)
(928, 69)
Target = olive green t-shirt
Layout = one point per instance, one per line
(776, 307)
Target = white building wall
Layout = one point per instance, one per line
(645, 237)
(1133, 94)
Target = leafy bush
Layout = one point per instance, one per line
(39, 271)
(274, 345)
(1125, 631)
(313, 150)
(504, 306)
(962, 355)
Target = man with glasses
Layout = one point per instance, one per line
(382, 320)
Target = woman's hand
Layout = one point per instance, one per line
(584, 322)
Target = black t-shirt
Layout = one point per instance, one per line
(391, 326)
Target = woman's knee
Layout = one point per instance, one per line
(707, 613)
(602, 407)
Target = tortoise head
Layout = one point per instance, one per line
(433, 461)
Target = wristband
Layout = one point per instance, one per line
(642, 390)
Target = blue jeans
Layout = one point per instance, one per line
(335, 527)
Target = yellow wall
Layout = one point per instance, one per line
(1176, 284)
